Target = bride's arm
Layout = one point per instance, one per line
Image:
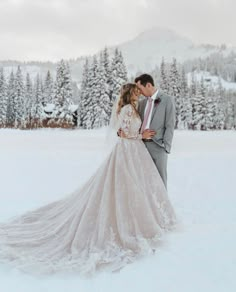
(127, 113)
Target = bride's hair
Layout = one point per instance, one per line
(126, 94)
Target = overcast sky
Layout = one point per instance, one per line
(54, 29)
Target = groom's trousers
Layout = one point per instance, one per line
(159, 156)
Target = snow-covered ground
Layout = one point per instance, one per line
(37, 167)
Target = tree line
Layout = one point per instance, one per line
(199, 105)
(24, 103)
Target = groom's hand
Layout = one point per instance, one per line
(148, 134)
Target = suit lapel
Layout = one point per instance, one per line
(159, 94)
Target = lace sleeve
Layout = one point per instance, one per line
(127, 113)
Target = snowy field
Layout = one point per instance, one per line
(37, 167)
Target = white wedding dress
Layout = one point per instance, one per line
(118, 215)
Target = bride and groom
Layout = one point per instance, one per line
(120, 213)
(157, 112)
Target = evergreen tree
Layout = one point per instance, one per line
(93, 94)
(210, 109)
(19, 99)
(48, 89)
(28, 100)
(118, 74)
(230, 115)
(185, 104)
(105, 63)
(11, 91)
(199, 107)
(89, 94)
(164, 84)
(37, 108)
(202, 103)
(63, 93)
(103, 104)
(220, 106)
(101, 83)
(193, 86)
(3, 100)
(63, 88)
(84, 94)
(197, 115)
(192, 93)
(123, 70)
(175, 89)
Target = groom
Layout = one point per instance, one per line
(157, 112)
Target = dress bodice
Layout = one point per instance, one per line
(130, 122)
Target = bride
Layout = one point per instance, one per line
(118, 215)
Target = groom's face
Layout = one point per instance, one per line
(145, 90)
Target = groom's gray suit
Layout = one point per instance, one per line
(163, 122)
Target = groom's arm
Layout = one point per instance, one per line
(169, 124)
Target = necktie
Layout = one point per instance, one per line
(147, 114)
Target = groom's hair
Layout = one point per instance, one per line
(144, 79)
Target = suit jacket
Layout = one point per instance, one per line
(162, 119)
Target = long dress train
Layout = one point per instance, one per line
(119, 214)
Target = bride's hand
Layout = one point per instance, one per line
(148, 134)
(121, 134)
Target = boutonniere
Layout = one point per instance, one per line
(157, 101)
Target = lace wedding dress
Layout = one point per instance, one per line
(118, 215)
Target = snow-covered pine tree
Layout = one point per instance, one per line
(230, 114)
(84, 94)
(164, 84)
(93, 94)
(36, 112)
(123, 70)
(197, 115)
(63, 94)
(192, 95)
(11, 92)
(118, 74)
(102, 108)
(210, 108)
(220, 106)
(193, 85)
(105, 62)
(88, 93)
(101, 83)
(19, 99)
(203, 104)
(199, 107)
(28, 100)
(175, 88)
(185, 105)
(48, 89)
(3, 100)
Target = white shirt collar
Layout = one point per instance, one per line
(154, 95)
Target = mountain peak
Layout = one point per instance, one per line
(160, 33)
(145, 51)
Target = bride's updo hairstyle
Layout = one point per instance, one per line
(126, 96)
